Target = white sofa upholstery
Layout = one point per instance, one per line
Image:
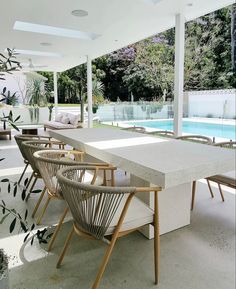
(64, 121)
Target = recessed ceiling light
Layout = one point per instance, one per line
(116, 40)
(79, 13)
(46, 44)
(37, 53)
(190, 4)
(51, 30)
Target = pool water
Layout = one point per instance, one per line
(191, 127)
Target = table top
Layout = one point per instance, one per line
(161, 161)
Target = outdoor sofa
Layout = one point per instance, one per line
(64, 121)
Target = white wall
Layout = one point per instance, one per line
(211, 103)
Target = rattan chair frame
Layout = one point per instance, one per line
(215, 179)
(28, 148)
(48, 163)
(229, 145)
(77, 195)
(19, 138)
(198, 139)
(163, 133)
(135, 129)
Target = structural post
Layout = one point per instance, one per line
(89, 92)
(55, 92)
(179, 73)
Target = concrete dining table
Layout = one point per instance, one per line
(168, 163)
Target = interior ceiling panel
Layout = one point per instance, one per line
(118, 22)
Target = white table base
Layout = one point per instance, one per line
(174, 206)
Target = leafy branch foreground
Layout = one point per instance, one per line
(20, 221)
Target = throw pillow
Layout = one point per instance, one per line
(65, 120)
(58, 117)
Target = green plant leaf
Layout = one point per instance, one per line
(5, 180)
(9, 188)
(26, 214)
(3, 218)
(26, 237)
(23, 226)
(23, 194)
(36, 191)
(12, 226)
(15, 191)
(25, 182)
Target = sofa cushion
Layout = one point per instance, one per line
(74, 118)
(65, 120)
(57, 125)
(58, 117)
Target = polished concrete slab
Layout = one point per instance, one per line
(198, 256)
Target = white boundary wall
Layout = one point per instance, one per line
(211, 103)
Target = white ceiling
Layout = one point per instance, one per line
(118, 22)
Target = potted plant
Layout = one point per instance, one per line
(4, 278)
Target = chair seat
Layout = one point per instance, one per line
(138, 215)
(226, 178)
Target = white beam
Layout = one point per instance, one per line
(89, 92)
(55, 91)
(179, 73)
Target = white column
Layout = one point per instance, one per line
(179, 73)
(55, 91)
(89, 92)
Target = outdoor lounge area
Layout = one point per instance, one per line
(138, 193)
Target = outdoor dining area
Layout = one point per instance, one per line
(86, 194)
(84, 204)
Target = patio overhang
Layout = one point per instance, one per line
(58, 35)
(109, 25)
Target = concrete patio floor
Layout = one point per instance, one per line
(198, 256)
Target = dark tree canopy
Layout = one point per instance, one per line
(146, 69)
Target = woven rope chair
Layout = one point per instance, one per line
(227, 179)
(48, 163)
(164, 133)
(198, 139)
(28, 148)
(27, 137)
(135, 129)
(104, 213)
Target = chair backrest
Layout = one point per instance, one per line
(30, 147)
(135, 129)
(50, 161)
(196, 138)
(27, 137)
(92, 207)
(229, 144)
(165, 133)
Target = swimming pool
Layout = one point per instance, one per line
(191, 127)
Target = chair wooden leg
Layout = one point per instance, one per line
(39, 202)
(210, 189)
(112, 178)
(156, 239)
(112, 244)
(193, 194)
(65, 248)
(57, 229)
(43, 211)
(104, 262)
(26, 166)
(221, 193)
